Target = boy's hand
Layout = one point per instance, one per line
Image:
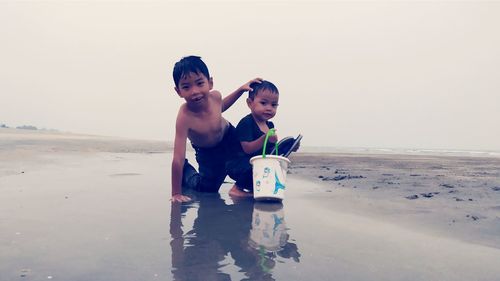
(246, 86)
(180, 198)
(231, 98)
(273, 138)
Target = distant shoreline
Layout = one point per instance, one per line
(168, 146)
(401, 151)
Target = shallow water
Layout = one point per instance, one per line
(232, 241)
(107, 217)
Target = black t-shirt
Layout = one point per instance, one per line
(248, 130)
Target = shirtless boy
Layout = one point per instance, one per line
(200, 120)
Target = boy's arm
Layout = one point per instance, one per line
(250, 147)
(178, 160)
(234, 96)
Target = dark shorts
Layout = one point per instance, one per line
(240, 170)
(211, 165)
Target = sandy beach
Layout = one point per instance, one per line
(75, 207)
(451, 196)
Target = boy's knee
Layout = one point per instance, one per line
(212, 182)
(190, 177)
(245, 183)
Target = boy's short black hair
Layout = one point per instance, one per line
(187, 65)
(264, 85)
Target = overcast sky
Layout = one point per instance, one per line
(365, 74)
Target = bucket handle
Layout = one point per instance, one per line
(269, 133)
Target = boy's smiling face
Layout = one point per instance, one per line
(264, 105)
(194, 88)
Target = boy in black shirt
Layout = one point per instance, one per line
(251, 132)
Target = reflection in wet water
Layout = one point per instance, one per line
(239, 241)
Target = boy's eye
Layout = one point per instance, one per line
(275, 105)
(201, 83)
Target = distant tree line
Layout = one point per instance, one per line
(23, 127)
(26, 127)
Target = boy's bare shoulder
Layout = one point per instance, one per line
(216, 95)
(182, 115)
(182, 110)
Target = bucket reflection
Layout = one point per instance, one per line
(268, 227)
(239, 241)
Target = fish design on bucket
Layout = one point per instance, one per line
(267, 170)
(278, 184)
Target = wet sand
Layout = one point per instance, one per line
(451, 196)
(74, 209)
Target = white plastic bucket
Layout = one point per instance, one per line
(269, 177)
(268, 227)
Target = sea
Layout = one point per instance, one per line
(401, 151)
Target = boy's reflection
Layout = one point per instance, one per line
(220, 230)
